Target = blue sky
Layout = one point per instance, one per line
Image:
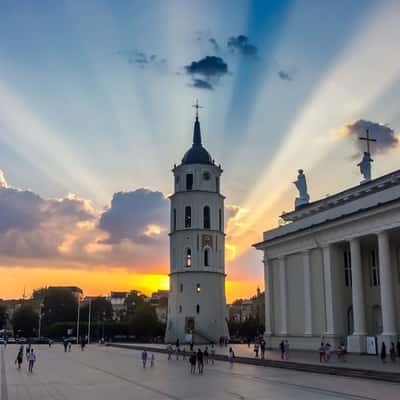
(96, 96)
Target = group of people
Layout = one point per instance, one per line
(260, 348)
(30, 357)
(394, 351)
(284, 348)
(145, 357)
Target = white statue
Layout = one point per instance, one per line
(365, 167)
(301, 186)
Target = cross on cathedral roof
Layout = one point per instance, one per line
(197, 106)
(368, 140)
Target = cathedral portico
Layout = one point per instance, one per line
(332, 269)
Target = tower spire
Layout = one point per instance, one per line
(196, 131)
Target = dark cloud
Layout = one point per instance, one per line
(285, 75)
(142, 59)
(386, 137)
(132, 216)
(201, 84)
(241, 44)
(207, 72)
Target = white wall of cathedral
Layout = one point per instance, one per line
(199, 296)
(205, 177)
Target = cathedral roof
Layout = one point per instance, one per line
(197, 154)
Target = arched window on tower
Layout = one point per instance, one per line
(188, 217)
(206, 258)
(188, 260)
(174, 221)
(220, 219)
(206, 217)
(189, 181)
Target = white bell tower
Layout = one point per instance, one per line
(196, 304)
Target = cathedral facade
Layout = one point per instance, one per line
(332, 270)
(196, 305)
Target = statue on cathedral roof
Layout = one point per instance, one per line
(365, 166)
(301, 186)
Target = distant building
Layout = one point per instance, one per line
(117, 300)
(242, 310)
(159, 300)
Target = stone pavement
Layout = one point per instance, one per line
(104, 373)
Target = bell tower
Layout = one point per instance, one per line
(196, 305)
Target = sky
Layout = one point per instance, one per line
(96, 107)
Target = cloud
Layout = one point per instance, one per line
(3, 182)
(207, 70)
(138, 216)
(142, 59)
(285, 75)
(240, 44)
(386, 137)
(214, 44)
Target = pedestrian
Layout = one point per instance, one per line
(248, 342)
(231, 355)
(20, 357)
(212, 353)
(398, 348)
(192, 361)
(191, 346)
(152, 361)
(206, 355)
(262, 348)
(31, 360)
(322, 352)
(343, 352)
(286, 350)
(184, 353)
(383, 352)
(144, 358)
(282, 349)
(392, 352)
(28, 350)
(65, 345)
(83, 343)
(177, 343)
(256, 349)
(69, 345)
(200, 363)
(327, 352)
(169, 351)
(50, 343)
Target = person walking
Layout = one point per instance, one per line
(191, 346)
(200, 361)
(20, 357)
(206, 355)
(212, 353)
(383, 352)
(231, 355)
(152, 361)
(327, 352)
(322, 352)
(144, 358)
(31, 360)
(28, 350)
(262, 348)
(282, 349)
(286, 350)
(192, 361)
(169, 351)
(65, 345)
(392, 352)
(256, 348)
(69, 346)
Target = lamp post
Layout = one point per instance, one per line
(40, 321)
(77, 321)
(90, 311)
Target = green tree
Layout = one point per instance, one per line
(101, 309)
(144, 322)
(59, 305)
(3, 315)
(132, 301)
(39, 294)
(25, 321)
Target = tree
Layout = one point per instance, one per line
(133, 300)
(144, 322)
(25, 321)
(59, 305)
(3, 316)
(101, 309)
(39, 294)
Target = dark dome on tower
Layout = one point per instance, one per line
(197, 154)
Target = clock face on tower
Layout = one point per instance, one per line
(206, 176)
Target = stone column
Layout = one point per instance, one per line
(283, 293)
(357, 342)
(307, 294)
(386, 281)
(328, 286)
(268, 296)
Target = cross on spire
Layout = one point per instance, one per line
(368, 140)
(196, 106)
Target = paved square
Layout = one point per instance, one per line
(109, 373)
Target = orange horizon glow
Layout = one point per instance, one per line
(17, 280)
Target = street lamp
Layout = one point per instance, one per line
(90, 317)
(77, 321)
(40, 321)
